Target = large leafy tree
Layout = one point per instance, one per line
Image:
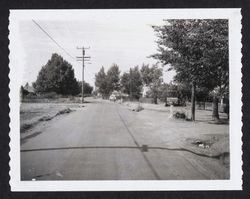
(131, 83)
(101, 83)
(180, 91)
(198, 51)
(87, 89)
(152, 77)
(57, 76)
(113, 78)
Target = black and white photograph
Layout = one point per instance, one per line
(146, 99)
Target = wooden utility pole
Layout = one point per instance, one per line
(130, 84)
(193, 102)
(83, 59)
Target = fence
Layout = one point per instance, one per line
(207, 106)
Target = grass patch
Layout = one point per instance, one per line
(219, 122)
(25, 127)
(64, 111)
(45, 118)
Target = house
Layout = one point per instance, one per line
(29, 88)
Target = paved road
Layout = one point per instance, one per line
(102, 142)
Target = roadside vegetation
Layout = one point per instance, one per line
(138, 104)
(197, 50)
(55, 82)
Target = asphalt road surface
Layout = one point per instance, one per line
(102, 141)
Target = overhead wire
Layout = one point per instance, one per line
(44, 31)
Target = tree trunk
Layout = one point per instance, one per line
(155, 100)
(215, 114)
(166, 101)
(221, 104)
(193, 103)
(227, 110)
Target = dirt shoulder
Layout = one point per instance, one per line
(35, 116)
(202, 137)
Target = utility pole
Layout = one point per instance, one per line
(130, 86)
(83, 60)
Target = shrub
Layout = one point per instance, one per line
(138, 108)
(64, 111)
(31, 96)
(49, 95)
(180, 115)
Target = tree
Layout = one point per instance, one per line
(131, 83)
(101, 83)
(164, 92)
(27, 85)
(152, 77)
(113, 78)
(177, 90)
(57, 76)
(23, 92)
(87, 89)
(198, 51)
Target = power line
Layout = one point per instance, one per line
(53, 39)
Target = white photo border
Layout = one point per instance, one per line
(235, 65)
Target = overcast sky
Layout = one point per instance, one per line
(124, 38)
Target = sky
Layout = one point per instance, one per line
(124, 38)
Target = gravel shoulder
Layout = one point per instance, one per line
(202, 136)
